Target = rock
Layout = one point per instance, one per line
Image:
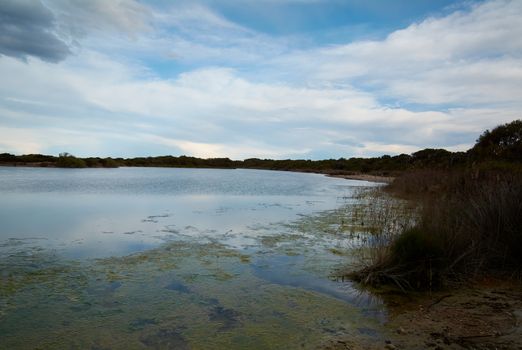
(390, 347)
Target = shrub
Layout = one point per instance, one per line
(419, 257)
(66, 160)
(414, 246)
(109, 163)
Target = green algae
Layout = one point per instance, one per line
(273, 241)
(198, 294)
(336, 251)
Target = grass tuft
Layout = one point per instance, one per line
(469, 224)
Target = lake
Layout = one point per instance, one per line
(164, 258)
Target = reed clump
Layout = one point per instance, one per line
(469, 223)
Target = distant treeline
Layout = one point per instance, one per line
(502, 144)
(384, 164)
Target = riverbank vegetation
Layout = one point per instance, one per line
(382, 166)
(469, 221)
(493, 147)
(385, 165)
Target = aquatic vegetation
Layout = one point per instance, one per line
(336, 251)
(140, 323)
(191, 294)
(272, 241)
(255, 284)
(166, 338)
(178, 286)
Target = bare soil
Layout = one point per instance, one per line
(485, 315)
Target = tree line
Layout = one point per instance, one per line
(500, 145)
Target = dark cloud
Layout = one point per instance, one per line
(27, 28)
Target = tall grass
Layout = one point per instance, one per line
(470, 223)
(479, 223)
(380, 219)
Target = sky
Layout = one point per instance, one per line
(300, 79)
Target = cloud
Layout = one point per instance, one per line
(20, 140)
(454, 59)
(78, 18)
(209, 113)
(237, 93)
(27, 141)
(218, 150)
(50, 30)
(191, 33)
(27, 28)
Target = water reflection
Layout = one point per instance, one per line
(103, 212)
(287, 271)
(155, 258)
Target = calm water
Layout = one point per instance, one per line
(88, 213)
(176, 259)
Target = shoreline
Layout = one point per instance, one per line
(485, 314)
(358, 176)
(364, 177)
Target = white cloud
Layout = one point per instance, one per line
(20, 140)
(466, 57)
(462, 73)
(383, 148)
(77, 18)
(219, 150)
(28, 140)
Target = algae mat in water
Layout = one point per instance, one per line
(188, 295)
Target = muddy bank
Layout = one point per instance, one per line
(485, 315)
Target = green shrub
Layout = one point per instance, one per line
(66, 160)
(414, 246)
(109, 163)
(418, 256)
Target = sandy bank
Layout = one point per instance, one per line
(364, 177)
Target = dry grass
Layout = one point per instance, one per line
(380, 219)
(470, 223)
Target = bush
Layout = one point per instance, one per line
(109, 163)
(419, 257)
(66, 160)
(414, 246)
